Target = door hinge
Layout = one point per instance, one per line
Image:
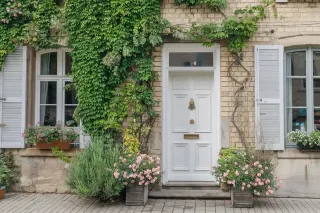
(2, 99)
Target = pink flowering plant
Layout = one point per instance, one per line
(248, 174)
(137, 169)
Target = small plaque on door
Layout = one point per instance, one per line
(191, 136)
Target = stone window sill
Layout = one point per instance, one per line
(34, 152)
(297, 154)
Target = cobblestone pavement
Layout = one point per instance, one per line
(54, 203)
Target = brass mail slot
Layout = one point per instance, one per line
(191, 136)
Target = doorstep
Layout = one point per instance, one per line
(190, 190)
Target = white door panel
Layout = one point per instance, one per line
(190, 159)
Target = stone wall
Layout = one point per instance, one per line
(40, 172)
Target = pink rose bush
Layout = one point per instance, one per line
(138, 169)
(247, 173)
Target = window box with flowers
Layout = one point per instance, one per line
(47, 137)
(247, 174)
(137, 173)
(305, 141)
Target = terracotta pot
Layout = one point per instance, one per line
(241, 199)
(2, 193)
(45, 145)
(58, 143)
(63, 145)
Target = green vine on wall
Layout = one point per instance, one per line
(28, 22)
(112, 44)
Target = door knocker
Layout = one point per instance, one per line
(191, 104)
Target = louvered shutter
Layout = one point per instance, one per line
(13, 98)
(269, 102)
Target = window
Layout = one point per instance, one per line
(303, 90)
(56, 100)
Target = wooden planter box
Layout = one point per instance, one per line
(59, 144)
(136, 195)
(241, 199)
(2, 193)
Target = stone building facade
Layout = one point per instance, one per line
(295, 30)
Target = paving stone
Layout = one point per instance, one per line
(68, 203)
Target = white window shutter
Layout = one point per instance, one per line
(13, 99)
(269, 102)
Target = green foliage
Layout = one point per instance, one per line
(8, 170)
(28, 22)
(304, 139)
(212, 4)
(236, 29)
(131, 143)
(60, 154)
(91, 172)
(35, 134)
(112, 42)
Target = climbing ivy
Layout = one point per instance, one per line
(212, 4)
(28, 22)
(112, 44)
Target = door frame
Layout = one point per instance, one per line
(216, 112)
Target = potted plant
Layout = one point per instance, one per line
(46, 137)
(5, 175)
(304, 140)
(137, 173)
(247, 177)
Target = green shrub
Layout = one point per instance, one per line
(91, 172)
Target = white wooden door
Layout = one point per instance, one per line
(190, 159)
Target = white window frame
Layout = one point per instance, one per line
(60, 78)
(309, 88)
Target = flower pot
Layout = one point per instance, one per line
(2, 193)
(44, 145)
(63, 145)
(241, 199)
(136, 195)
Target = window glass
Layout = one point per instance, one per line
(48, 92)
(296, 63)
(316, 63)
(70, 105)
(49, 64)
(316, 92)
(296, 92)
(48, 115)
(297, 119)
(316, 119)
(198, 59)
(68, 63)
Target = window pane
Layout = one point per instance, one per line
(68, 63)
(296, 64)
(296, 92)
(191, 59)
(48, 92)
(48, 115)
(316, 63)
(317, 119)
(49, 64)
(316, 92)
(68, 116)
(296, 119)
(70, 95)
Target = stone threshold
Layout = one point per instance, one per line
(190, 194)
(34, 152)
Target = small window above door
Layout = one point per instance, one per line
(191, 59)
